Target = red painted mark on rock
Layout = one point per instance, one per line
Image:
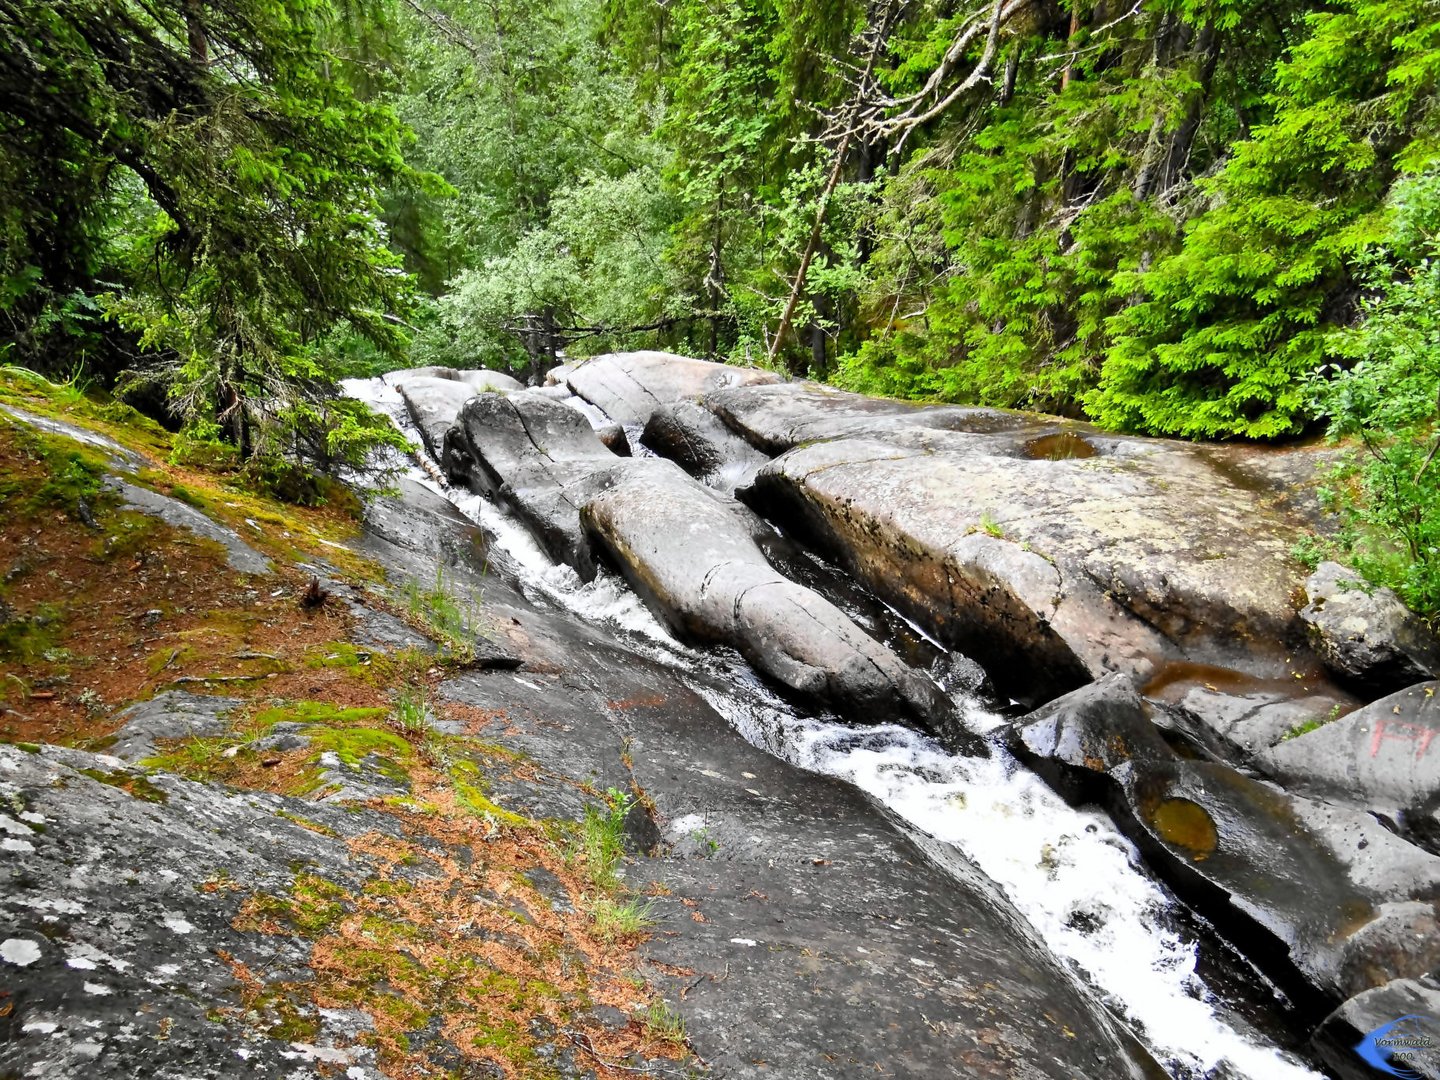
(1402, 731)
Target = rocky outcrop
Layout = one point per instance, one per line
(478, 379)
(1050, 567)
(173, 714)
(538, 457)
(691, 553)
(1328, 899)
(434, 396)
(1380, 757)
(698, 441)
(433, 405)
(629, 387)
(1238, 716)
(1365, 634)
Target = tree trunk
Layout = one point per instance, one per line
(195, 33)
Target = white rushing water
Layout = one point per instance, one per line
(1068, 871)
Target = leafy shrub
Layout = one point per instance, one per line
(1384, 391)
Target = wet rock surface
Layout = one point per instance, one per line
(699, 442)
(1239, 716)
(692, 555)
(1379, 757)
(1394, 1029)
(1118, 561)
(538, 457)
(1365, 634)
(480, 379)
(433, 405)
(1327, 899)
(793, 906)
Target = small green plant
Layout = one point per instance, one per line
(1313, 724)
(664, 1023)
(1310, 552)
(707, 843)
(990, 527)
(600, 844)
(411, 717)
(411, 713)
(621, 919)
(450, 619)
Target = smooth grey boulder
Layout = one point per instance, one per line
(1378, 757)
(1325, 899)
(1049, 566)
(171, 715)
(699, 442)
(1239, 716)
(540, 458)
(628, 387)
(691, 554)
(1365, 634)
(1390, 1030)
(433, 405)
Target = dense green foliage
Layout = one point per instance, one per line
(1387, 393)
(196, 184)
(1182, 217)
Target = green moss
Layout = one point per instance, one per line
(306, 823)
(133, 784)
(294, 1020)
(163, 659)
(314, 907)
(71, 472)
(314, 713)
(197, 758)
(82, 406)
(1315, 723)
(340, 654)
(470, 788)
(29, 637)
(353, 744)
(127, 533)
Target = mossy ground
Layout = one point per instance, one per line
(446, 939)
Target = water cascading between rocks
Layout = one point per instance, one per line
(673, 537)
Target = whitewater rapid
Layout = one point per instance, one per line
(1069, 871)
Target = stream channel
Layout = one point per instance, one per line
(1200, 1008)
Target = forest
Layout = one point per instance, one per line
(1205, 219)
